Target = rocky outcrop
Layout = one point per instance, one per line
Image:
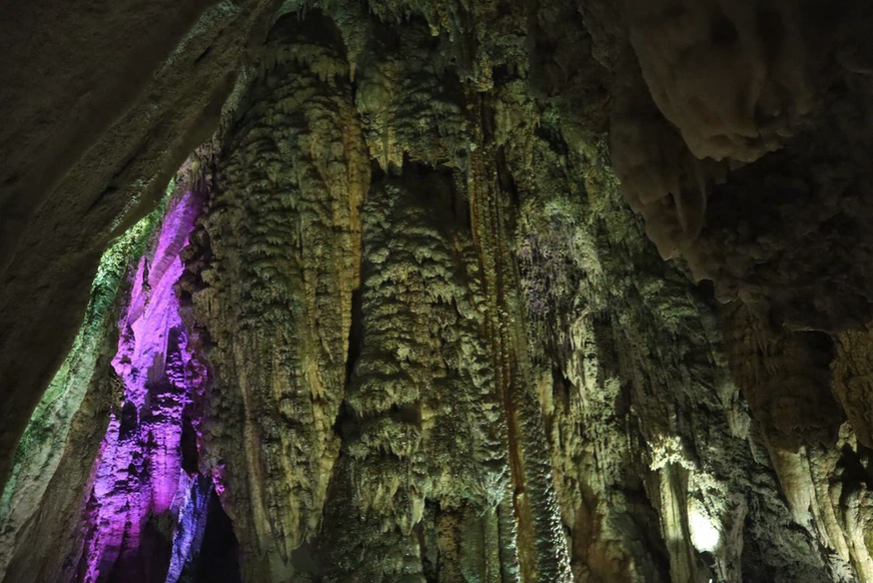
(682, 141)
(733, 77)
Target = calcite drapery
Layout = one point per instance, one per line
(283, 231)
(425, 426)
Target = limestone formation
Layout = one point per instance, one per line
(445, 292)
(283, 235)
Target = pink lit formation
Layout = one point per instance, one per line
(142, 497)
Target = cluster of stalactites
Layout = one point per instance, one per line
(424, 438)
(725, 83)
(279, 262)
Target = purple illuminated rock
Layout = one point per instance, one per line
(140, 485)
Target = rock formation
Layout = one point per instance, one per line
(488, 291)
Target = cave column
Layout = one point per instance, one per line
(542, 544)
(283, 230)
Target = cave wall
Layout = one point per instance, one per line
(50, 472)
(429, 287)
(102, 104)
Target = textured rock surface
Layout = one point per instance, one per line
(140, 477)
(284, 237)
(424, 429)
(441, 345)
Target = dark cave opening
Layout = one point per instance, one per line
(218, 559)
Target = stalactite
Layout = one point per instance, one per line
(427, 428)
(532, 473)
(283, 231)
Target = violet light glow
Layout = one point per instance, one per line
(139, 479)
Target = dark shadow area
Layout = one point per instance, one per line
(218, 561)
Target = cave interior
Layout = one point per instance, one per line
(436, 291)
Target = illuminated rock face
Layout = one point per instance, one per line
(121, 98)
(283, 241)
(145, 497)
